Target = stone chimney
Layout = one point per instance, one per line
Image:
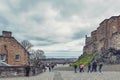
(6, 34)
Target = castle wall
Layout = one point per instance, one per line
(102, 39)
(115, 41)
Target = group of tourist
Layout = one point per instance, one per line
(92, 67)
(43, 68)
(51, 66)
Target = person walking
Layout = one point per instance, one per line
(27, 70)
(89, 67)
(81, 68)
(49, 67)
(100, 68)
(75, 68)
(52, 66)
(34, 70)
(43, 67)
(94, 66)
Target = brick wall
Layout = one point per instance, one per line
(11, 47)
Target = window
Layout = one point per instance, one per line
(17, 57)
(2, 57)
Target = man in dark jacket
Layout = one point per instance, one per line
(75, 68)
(89, 67)
(94, 66)
(100, 67)
(27, 70)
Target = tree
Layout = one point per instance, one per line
(37, 56)
(40, 54)
(26, 44)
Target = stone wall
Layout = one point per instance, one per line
(11, 47)
(14, 71)
(105, 37)
(115, 41)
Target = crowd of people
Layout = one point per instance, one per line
(92, 67)
(51, 67)
(44, 67)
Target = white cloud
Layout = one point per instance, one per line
(75, 46)
(56, 25)
(4, 7)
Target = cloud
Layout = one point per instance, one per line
(55, 25)
(3, 6)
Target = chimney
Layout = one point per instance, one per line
(6, 34)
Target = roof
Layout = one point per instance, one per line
(3, 50)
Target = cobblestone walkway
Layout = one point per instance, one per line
(70, 75)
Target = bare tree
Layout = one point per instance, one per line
(26, 44)
(37, 56)
(32, 52)
(40, 54)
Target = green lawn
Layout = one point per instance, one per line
(84, 59)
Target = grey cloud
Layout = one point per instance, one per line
(38, 20)
(45, 44)
(27, 19)
(80, 34)
(22, 6)
(4, 20)
(4, 23)
(68, 8)
(38, 39)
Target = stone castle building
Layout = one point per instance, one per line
(105, 37)
(11, 50)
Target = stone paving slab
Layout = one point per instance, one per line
(42, 76)
(69, 75)
(57, 76)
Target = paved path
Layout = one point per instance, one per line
(43, 76)
(57, 76)
(90, 76)
(70, 75)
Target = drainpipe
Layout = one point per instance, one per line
(6, 53)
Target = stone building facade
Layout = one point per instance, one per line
(11, 50)
(105, 37)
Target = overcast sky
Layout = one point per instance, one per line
(56, 26)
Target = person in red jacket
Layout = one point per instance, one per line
(81, 68)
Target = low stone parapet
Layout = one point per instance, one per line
(15, 71)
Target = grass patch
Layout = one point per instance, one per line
(84, 59)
